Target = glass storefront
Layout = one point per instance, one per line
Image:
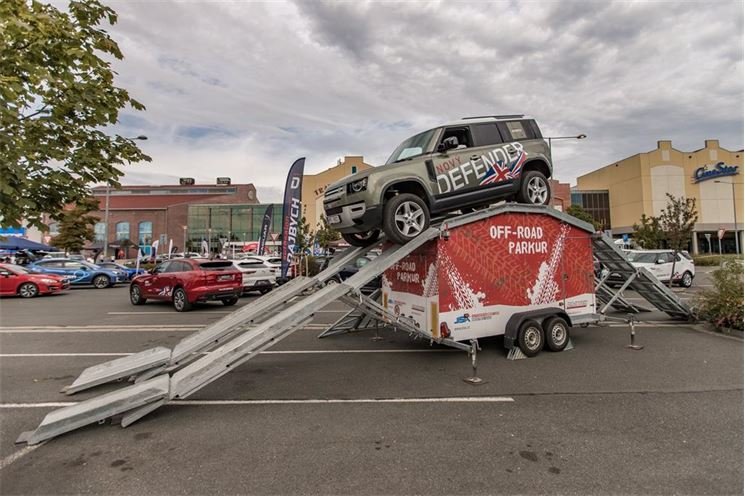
(229, 222)
(596, 203)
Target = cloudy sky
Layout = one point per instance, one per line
(241, 89)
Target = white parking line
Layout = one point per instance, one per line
(463, 399)
(270, 352)
(171, 312)
(18, 454)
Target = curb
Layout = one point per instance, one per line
(724, 332)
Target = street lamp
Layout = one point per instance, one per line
(734, 213)
(184, 227)
(551, 138)
(106, 211)
(209, 241)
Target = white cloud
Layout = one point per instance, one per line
(241, 89)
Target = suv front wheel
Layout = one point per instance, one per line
(534, 189)
(405, 217)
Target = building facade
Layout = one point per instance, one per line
(314, 186)
(638, 185)
(186, 214)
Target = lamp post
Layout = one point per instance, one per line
(106, 211)
(209, 241)
(734, 213)
(552, 138)
(184, 227)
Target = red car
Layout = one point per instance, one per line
(16, 280)
(187, 281)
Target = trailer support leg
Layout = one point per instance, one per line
(474, 380)
(632, 335)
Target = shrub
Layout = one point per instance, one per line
(713, 260)
(723, 304)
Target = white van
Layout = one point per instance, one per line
(660, 263)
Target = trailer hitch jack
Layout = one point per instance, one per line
(474, 380)
(632, 335)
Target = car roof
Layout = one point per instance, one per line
(651, 251)
(486, 119)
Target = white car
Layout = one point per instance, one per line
(660, 263)
(258, 275)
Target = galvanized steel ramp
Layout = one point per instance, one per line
(636, 279)
(166, 375)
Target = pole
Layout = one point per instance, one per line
(184, 250)
(106, 226)
(209, 241)
(734, 214)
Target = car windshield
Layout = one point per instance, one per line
(643, 257)
(412, 147)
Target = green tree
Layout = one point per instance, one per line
(648, 233)
(57, 96)
(677, 221)
(76, 226)
(325, 235)
(582, 214)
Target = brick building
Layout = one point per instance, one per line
(186, 214)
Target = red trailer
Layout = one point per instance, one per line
(524, 273)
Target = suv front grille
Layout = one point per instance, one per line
(333, 194)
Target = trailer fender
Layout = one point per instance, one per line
(513, 324)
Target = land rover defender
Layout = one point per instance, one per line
(463, 165)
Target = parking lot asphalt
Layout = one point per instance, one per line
(350, 415)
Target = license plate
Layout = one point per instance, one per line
(334, 219)
(225, 278)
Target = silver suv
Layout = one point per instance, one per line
(462, 165)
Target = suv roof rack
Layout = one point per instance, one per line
(507, 116)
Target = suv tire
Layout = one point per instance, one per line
(362, 239)
(534, 189)
(181, 301)
(405, 217)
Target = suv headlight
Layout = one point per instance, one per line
(357, 186)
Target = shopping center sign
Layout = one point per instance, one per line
(719, 170)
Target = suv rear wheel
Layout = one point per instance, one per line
(534, 189)
(405, 217)
(362, 239)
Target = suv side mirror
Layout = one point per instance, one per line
(448, 144)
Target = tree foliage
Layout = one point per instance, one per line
(582, 214)
(58, 95)
(723, 303)
(325, 234)
(677, 222)
(76, 226)
(648, 233)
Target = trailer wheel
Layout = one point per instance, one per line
(530, 338)
(557, 333)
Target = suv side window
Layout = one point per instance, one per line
(163, 267)
(462, 134)
(485, 134)
(517, 130)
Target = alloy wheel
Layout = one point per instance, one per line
(28, 290)
(409, 218)
(537, 190)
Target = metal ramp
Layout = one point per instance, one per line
(636, 279)
(162, 375)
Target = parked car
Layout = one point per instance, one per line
(660, 264)
(131, 271)
(258, 275)
(351, 269)
(462, 165)
(187, 281)
(54, 254)
(17, 280)
(190, 254)
(83, 273)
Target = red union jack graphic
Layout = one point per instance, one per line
(498, 173)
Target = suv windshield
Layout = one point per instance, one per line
(412, 147)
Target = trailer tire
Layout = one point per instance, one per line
(530, 338)
(556, 333)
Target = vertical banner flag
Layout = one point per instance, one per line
(137, 263)
(265, 225)
(170, 247)
(155, 249)
(205, 247)
(291, 210)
